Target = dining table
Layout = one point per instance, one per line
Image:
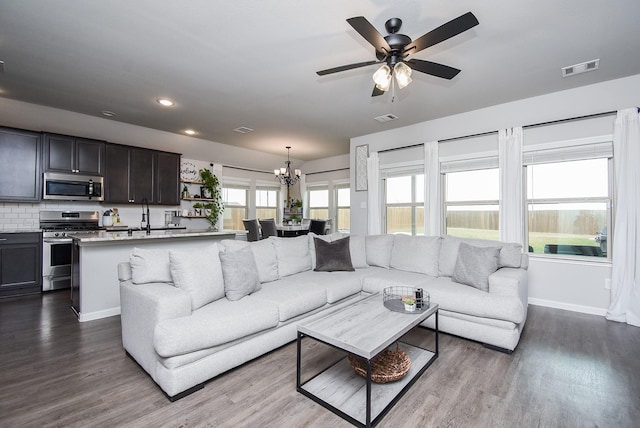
(292, 230)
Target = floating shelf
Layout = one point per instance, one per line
(191, 181)
(198, 199)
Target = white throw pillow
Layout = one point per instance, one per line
(474, 265)
(149, 266)
(416, 254)
(379, 250)
(293, 254)
(510, 253)
(199, 272)
(264, 254)
(240, 273)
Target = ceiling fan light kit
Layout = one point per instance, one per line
(393, 49)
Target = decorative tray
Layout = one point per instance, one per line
(394, 299)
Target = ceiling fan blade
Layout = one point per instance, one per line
(442, 33)
(377, 92)
(369, 32)
(433, 68)
(346, 67)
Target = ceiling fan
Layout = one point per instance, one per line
(393, 49)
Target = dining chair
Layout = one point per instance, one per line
(318, 227)
(268, 226)
(253, 229)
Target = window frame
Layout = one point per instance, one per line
(412, 172)
(229, 208)
(276, 217)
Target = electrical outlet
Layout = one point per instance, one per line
(607, 283)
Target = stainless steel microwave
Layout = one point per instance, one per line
(73, 187)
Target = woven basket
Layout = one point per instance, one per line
(388, 366)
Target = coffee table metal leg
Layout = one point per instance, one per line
(368, 420)
(298, 361)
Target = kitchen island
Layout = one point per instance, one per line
(94, 266)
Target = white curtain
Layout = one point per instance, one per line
(625, 278)
(374, 222)
(432, 207)
(511, 203)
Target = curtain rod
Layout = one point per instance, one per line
(329, 170)
(482, 134)
(247, 169)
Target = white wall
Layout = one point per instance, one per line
(568, 285)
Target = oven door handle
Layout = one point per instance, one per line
(57, 240)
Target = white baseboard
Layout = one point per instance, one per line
(567, 306)
(90, 316)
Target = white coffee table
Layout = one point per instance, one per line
(364, 328)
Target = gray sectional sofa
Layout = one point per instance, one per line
(190, 316)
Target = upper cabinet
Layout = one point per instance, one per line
(63, 153)
(133, 174)
(20, 177)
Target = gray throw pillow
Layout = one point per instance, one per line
(474, 265)
(240, 273)
(333, 256)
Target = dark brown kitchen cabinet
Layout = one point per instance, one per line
(167, 178)
(20, 263)
(63, 153)
(20, 176)
(133, 174)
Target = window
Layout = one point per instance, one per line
(471, 203)
(319, 203)
(235, 207)
(568, 207)
(404, 208)
(267, 203)
(343, 197)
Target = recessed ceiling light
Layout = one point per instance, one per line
(108, 113)
(189, 132)
(165, 102)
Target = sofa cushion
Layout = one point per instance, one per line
(240, 273)
(149, 266)
(377, 279)
(358, 250)
(264, 254)
(379, 250)
(293, 297)
(199, 272)
(292, 254)
(338, 285)
(416, 254)
(217, 323)
(474, 265)
(510, 253)
(332, 256)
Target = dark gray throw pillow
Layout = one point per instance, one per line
(240, 273)
(332, 256)
(475, 264)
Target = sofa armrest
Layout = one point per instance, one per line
(142, 307)
(510, 282)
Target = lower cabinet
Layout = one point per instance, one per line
(20, 263)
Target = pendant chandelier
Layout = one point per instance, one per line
(286, 176)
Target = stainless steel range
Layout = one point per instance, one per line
(57, 246)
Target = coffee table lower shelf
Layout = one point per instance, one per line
(340, 389)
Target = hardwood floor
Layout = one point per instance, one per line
(570, 370)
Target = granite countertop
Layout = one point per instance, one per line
(103, 236)
(35, 230)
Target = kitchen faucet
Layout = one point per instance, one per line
(145, 200)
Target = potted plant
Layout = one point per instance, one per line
(213, 206)
(409, 304)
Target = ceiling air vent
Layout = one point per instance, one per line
(386, 118)
(243, 130)
(583, 67)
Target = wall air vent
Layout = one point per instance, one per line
(583, 67)
(243, 130)
(386, 118)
